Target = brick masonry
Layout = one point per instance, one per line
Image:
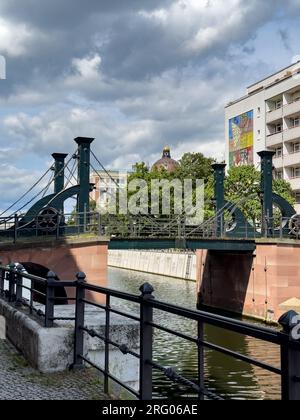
(65, 258)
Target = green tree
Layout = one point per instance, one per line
(242, 186)
(141, 171)
(194, 166)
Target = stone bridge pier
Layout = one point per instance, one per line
(65, 257)
(263, 284)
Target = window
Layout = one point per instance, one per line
(278, 104)
(279, 174)
(295, 172)
(296, 122)
(278, 128)
(296, 147)
(278, 152)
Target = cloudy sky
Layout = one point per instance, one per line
(134, 74)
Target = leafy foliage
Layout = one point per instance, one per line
(194, 166)
(242, 186)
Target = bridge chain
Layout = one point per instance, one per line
(171, 374)
(122, 347)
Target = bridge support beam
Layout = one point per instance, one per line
(59, 173)
(84, 150)
(267, 192)
(219, 175)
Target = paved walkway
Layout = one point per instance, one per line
(18, 381)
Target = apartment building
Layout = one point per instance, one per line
(106, 186)
(268, 117)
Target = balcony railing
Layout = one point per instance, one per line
(284, 106)
(274, 139)
(295, 183)
(274, 115)
(291, 133)
(291, 108)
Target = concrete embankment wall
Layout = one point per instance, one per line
(181, 265)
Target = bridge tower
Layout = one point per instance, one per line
(84, 150)
(59, 173)
(267, 192)
(219, 175)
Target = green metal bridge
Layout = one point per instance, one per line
(227, 230)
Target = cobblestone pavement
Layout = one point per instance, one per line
(18, 381)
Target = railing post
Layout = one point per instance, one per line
(85, 219)
(58, 225)
(50, 295)
(201, 358)
(178, 227)
(290, 356)
(11, 283)
(19, 285)
(107, 334)
(99, 224)
(146, 341)
(79, 322)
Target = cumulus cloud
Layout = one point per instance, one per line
(135, 75)
(11, 187)
(14, 38)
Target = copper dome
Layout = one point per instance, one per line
(166, 162)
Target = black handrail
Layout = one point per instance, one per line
(289, 371)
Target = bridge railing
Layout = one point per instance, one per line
(287, 340)
(58, 225)
(34, 292)
(52, 225)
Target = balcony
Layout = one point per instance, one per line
(291, 109)
(295, 184)
(278, 162)
(293, 159)
(274, 139)
(274, 115)
(291, 134)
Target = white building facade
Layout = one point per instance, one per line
(106, 186)
(268, 117)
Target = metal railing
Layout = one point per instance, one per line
(57, 225)
(141, 226)
(289, 371)
(40, 291)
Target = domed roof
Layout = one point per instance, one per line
(166, 162)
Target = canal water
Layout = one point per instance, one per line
(224, 375)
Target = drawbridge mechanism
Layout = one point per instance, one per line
(294, 225)
(48, 220)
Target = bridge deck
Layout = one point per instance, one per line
(173, 243)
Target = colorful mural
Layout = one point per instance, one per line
(241, 140)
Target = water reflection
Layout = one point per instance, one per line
(224, 375)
